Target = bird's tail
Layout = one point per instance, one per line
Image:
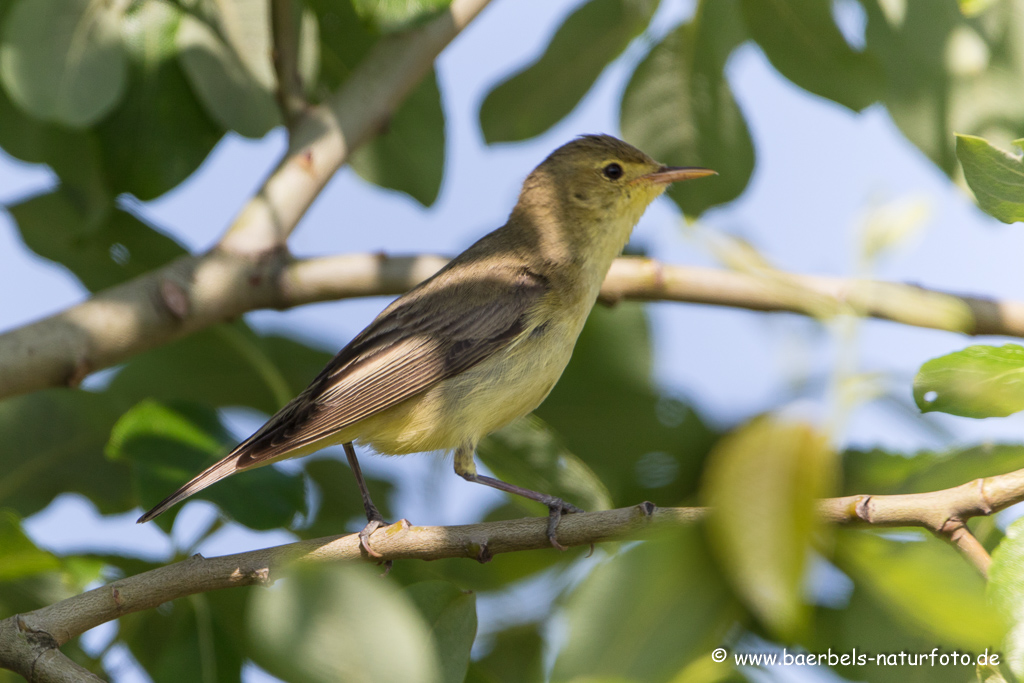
(214, 473)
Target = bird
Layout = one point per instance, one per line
(480, 343)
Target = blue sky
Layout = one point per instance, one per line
(821, 169)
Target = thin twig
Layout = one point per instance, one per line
(285, 32)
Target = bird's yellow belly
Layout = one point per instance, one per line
(463, 409)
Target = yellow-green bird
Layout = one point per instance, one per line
(480, 343)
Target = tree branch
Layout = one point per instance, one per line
(325, 136)
(28, 639)
(195, 292)
(57, 624)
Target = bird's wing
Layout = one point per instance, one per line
(406, 350)
(412, 345)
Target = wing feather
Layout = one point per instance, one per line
(408, 349)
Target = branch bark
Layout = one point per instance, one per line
(195, 292)
(323, 138)
(29, 642)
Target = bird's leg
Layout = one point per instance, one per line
(465, 467)
(374, 520)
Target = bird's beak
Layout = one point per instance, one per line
(673, 174)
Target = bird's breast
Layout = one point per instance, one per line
(463, 409)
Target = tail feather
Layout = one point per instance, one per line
(214, 473)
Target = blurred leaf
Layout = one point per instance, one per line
(339, 497)
(802, 41)
(193, 643)
(891, 225)
(398, 15)
(533, 100)
(946, 73)
(75, 156)
(867, 626)
(762, 483)
(1006, 588)
(225, 365)
(996, 177)
(925, 585)
(529, 454)
(340, 622)
(646, 630)
(605, 410)
(880, 473)
(118, 249)
(972, 8)
(62, 60)
(53, 444)
(515, 656)
(679, 109)
(409, 154)
(344, 41)
(980, 381)
(168, 444)
(159, 134)
(19, 556)
(450, 616)
(227, 62)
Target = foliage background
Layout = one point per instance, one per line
(650, 389)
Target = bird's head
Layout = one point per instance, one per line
(599, 179)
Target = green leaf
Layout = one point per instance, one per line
(119, 248)
(227, 62)
(866, 625)
(53, 444)
(802, 41)
(398, 15)
(529, 454)
(530, 102)
(762, 483)
(450, 616)
(225, 365)
(196, 642)
(1006, 588)
(19, 556)
(679, 109)
(996, 177)
(946, 73)
(640, 444)
(925, 585)
(344, 41)
(980, 381)
(646, 630)
(75, 156)
(62, 60)
(331, 623)
(880, 473)
(168, 444)
(516, 656)
(159, 134)
(409, 155)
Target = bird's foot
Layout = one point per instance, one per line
(364, 536)
(556, 508)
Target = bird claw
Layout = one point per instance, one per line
(364, 537)
(556, 508)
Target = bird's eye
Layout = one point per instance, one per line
(612, 171)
